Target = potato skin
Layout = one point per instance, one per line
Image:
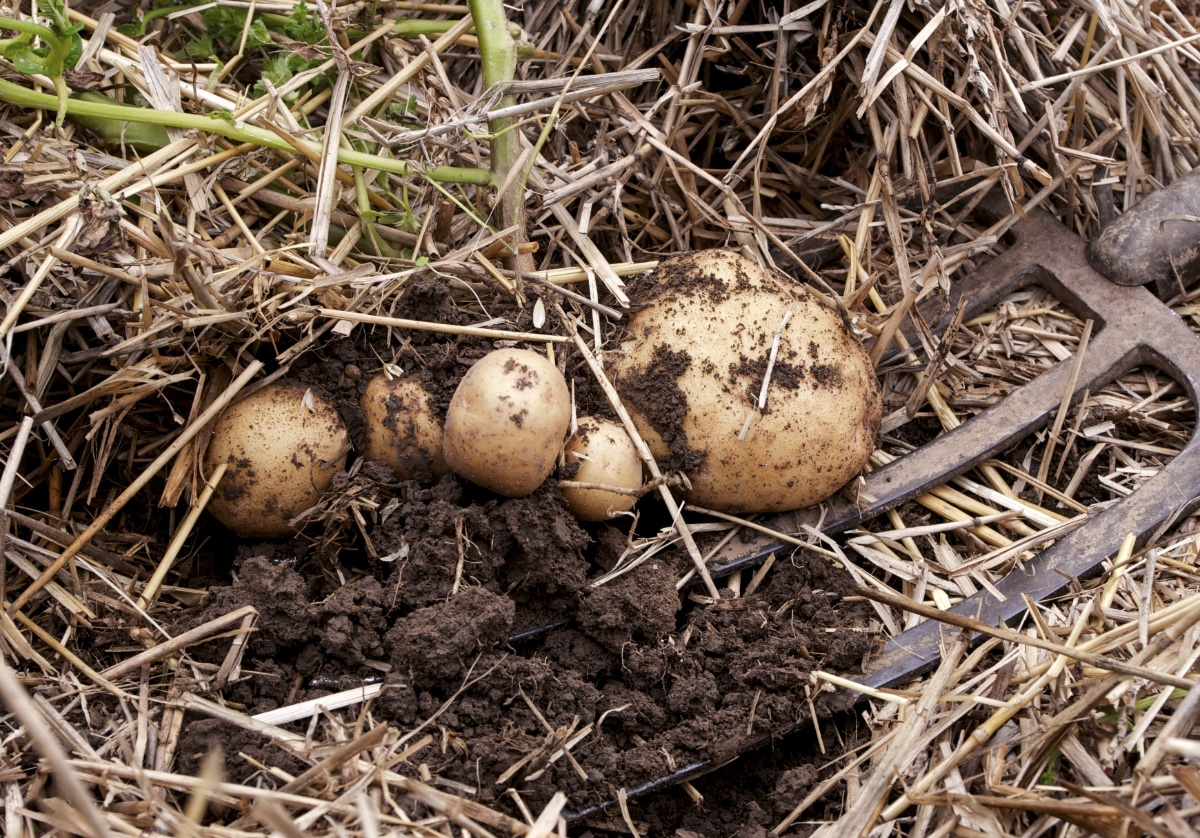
(402, 429)
(507, 421)
(279, 455)
(609, 457)
(693, 366)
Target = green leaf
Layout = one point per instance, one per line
(399, 220)
(304, 27)
(144, 137)
(201, 48)
(56, 10)
(276, 70)
(401, 108)
(224, 24)
(258, 35)
(76, 49)
(25, 58)
(280, 67)
(409, 223)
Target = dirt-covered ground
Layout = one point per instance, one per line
(479, 616)
(336, 198)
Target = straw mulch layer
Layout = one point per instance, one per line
(428, 658)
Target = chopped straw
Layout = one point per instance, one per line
(242, 222)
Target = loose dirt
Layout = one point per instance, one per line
(479, 616)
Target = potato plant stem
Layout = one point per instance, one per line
(498, 52)
(52, 64)
(15, 94)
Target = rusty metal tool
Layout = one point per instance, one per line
(1132, 328)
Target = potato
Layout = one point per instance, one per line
(402, 429)
(506, 422)
(694, 364)
(606, 455)
(283, 445)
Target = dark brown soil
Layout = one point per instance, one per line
(666, 689)
(478, 613)
(654, 392)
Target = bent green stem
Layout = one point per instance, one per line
(31, 28)
(52, 63)
(15, 94)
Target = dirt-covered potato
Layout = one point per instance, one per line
(283, 445)
(693, 365)
(606, 455)
(506, 422)
(402, 428)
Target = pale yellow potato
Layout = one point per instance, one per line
(507, 421)
(606, 455)
(283, 445)
(692, 367)
(402, 429)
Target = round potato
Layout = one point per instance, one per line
(402, 429)
(693, 367)
(506, 422)
(606, 455)
(283, 445)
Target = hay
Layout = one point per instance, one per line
(143, 287)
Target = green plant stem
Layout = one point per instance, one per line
(366, 213)
(62, 98)
(31, 28)
(498, 52)
(412, 27)
(52, 63)
(152, 15)
(15, 94)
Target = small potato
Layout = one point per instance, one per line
(283, 445)
(506, 422)
(402, 429)
(606, 455)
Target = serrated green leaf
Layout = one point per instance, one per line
(201, 48)
(304, 26)
(223, 23)
(258, 34)
(56, 10)
(276, 69)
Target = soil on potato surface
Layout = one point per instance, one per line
(478, 615)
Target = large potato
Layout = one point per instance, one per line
(283, 445)
(506, 422)
(607, 456)
(693, 365)
(402, 428)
